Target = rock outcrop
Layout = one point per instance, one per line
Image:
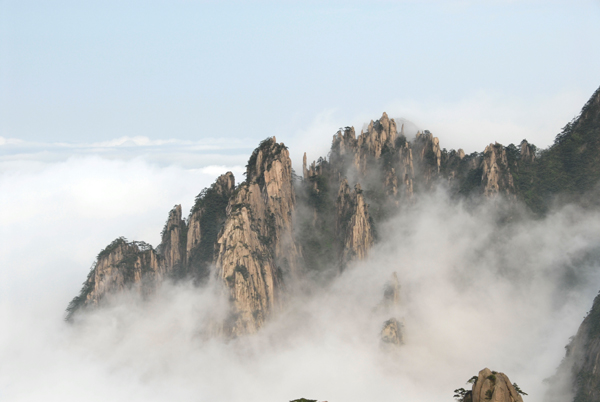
(256, 247)
(251, 239)
(428, 151)
(347, 150)
(391, 332)
(494, 387)
(121, 265)
(183, 252)
(172, 248)
(527, 153)
(353, 224)
(205, 221)
(578, 376)
(386, 169)
(496, 177)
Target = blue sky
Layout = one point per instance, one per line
(111, 112)
(473, 72)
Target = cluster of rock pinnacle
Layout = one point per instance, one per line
(258, 237)
(246, 235)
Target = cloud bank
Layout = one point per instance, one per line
(186, 154)
(475, 292)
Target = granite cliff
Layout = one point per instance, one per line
(256, 248)
(257, 237)
(578, 378)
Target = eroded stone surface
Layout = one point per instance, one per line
(496, 177)
(256, 248)
(353, 223)
(392, 332)
(494, 387)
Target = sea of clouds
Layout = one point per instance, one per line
(475, 293)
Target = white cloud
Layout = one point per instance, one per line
(315, 139)
(9, 141)
(470, 123)
(188, 154)
(483, 118)
(473, 295)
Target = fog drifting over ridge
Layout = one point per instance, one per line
(474, 294)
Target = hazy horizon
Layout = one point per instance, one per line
(113, 112)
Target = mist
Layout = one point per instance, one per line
(476, 292)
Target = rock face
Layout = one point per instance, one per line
(121, 265)
(205, 221)
(245, 232)
(494, 387)
(527, 152)
(348, 150)
(496, 177)
(387, 170)
(173, 244)
(392, 332)
(183, 252)
(353, 223)
(578, 376)
(427, 149)
(256, 248)
(275, 226)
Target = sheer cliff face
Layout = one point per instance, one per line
(205, 221)
(578, 377)
(353, 224)
(385, 170)
(256, 248)
(427, 149)
(172, 246)
(121, 265)
(247, 233)
(496, 176)
(274, 227)
(183, 252)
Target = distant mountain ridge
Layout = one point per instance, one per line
(275, 226)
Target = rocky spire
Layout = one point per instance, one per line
(390, 183)
(121, 265)
(496, 177)
(173, 245)
(379, 134)
(391, 332)
(256, 248)
(494, 387)
(353, 223)
(205, 221)
(577, 376)
(344, 152)
(304, 169)
(527, 152)
(405, 167)
(428, 152)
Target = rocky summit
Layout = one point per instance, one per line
(257, 237)
(490, 386)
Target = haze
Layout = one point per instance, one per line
(111, 113)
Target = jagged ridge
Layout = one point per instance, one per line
(253, 237)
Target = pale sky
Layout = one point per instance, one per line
(76, 73)
(111, 112)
